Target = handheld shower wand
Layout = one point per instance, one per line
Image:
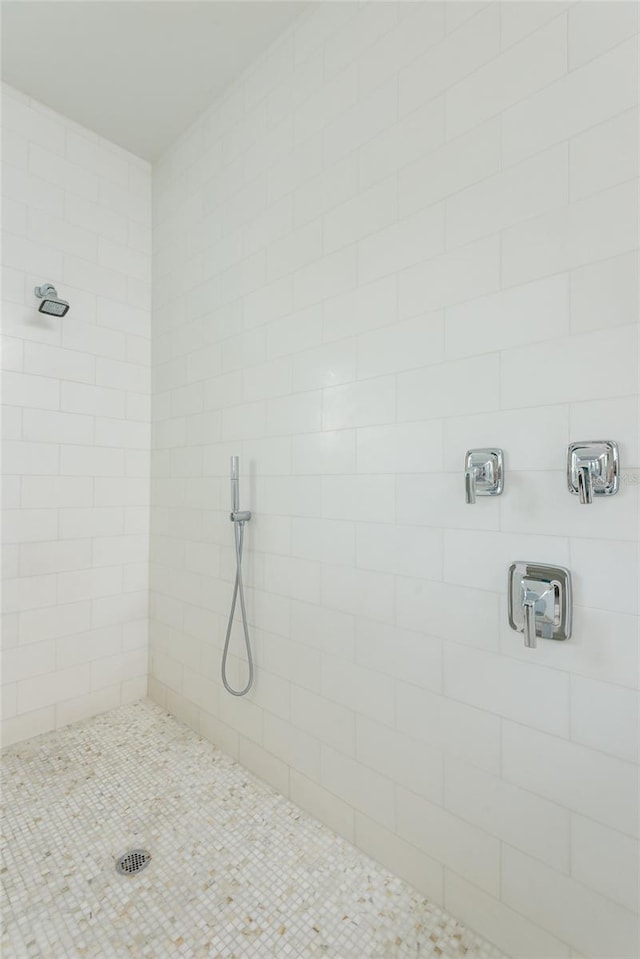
(238, 517)
(235, 483)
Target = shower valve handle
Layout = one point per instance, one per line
(470, 481)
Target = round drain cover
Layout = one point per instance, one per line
(133, 862)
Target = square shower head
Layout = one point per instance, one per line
(51, 302)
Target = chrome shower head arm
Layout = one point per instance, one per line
(46, 289)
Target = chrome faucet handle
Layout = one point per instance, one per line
(529, 625)
(483, 473)
(585, 483)
(470, 481)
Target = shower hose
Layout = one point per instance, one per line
(238, 590)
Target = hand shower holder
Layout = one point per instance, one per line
(237, 515)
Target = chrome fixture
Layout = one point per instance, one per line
(51, 302)
(238, 517)
(483, 473)
(540, 602)
(593, 469)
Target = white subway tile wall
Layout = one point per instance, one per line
(76, 418)
(409, 230)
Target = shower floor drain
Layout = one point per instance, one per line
(133, 862)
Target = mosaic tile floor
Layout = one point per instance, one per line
(237, 871)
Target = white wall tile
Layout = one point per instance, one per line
(519, 22)
(567, 366)
(400, 653)
(29, 525)
(496, 684)
(329, 276)
(418, 237)
(604, 294)
(521, 191)
(605, 860)
(604, 155)
(458, 730)
(294, 333)
(482, 429)
(398, 549)
(408, 761)
(293, 660)
(359, 404)
(417, 341)
(53, 687)
(374, 112)
(365, 308)
(583, 98)
(367, 212)
(40, 392)
(525, 314)
(517, 73)
(26, 725)
(467, 850)
(322, 804)
(594, 228)
(462, 274)
(461, 614)
(358, 591)
(598, 786)
(514, 815)
(437, 499)
(596, 28)
(359, 498)
(321, 628)
(402, 143)
(328, 721)
(449, 388)
(458, 163)
(365, 691)
(50, 426)
(54, 202)
(410, 240)
(24, 662)
(591, 652)
(400, 448)
(48, 623)
(329, 452)
(526, 512)
(328, 365)
(605, 717)
(422, 872)
(606, 574)
(566, 908)
(359, 786)
(460, 54)
(417, 31)
(517, 936)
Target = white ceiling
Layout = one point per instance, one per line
(136, 72)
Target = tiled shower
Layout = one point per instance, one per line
(406, 231)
